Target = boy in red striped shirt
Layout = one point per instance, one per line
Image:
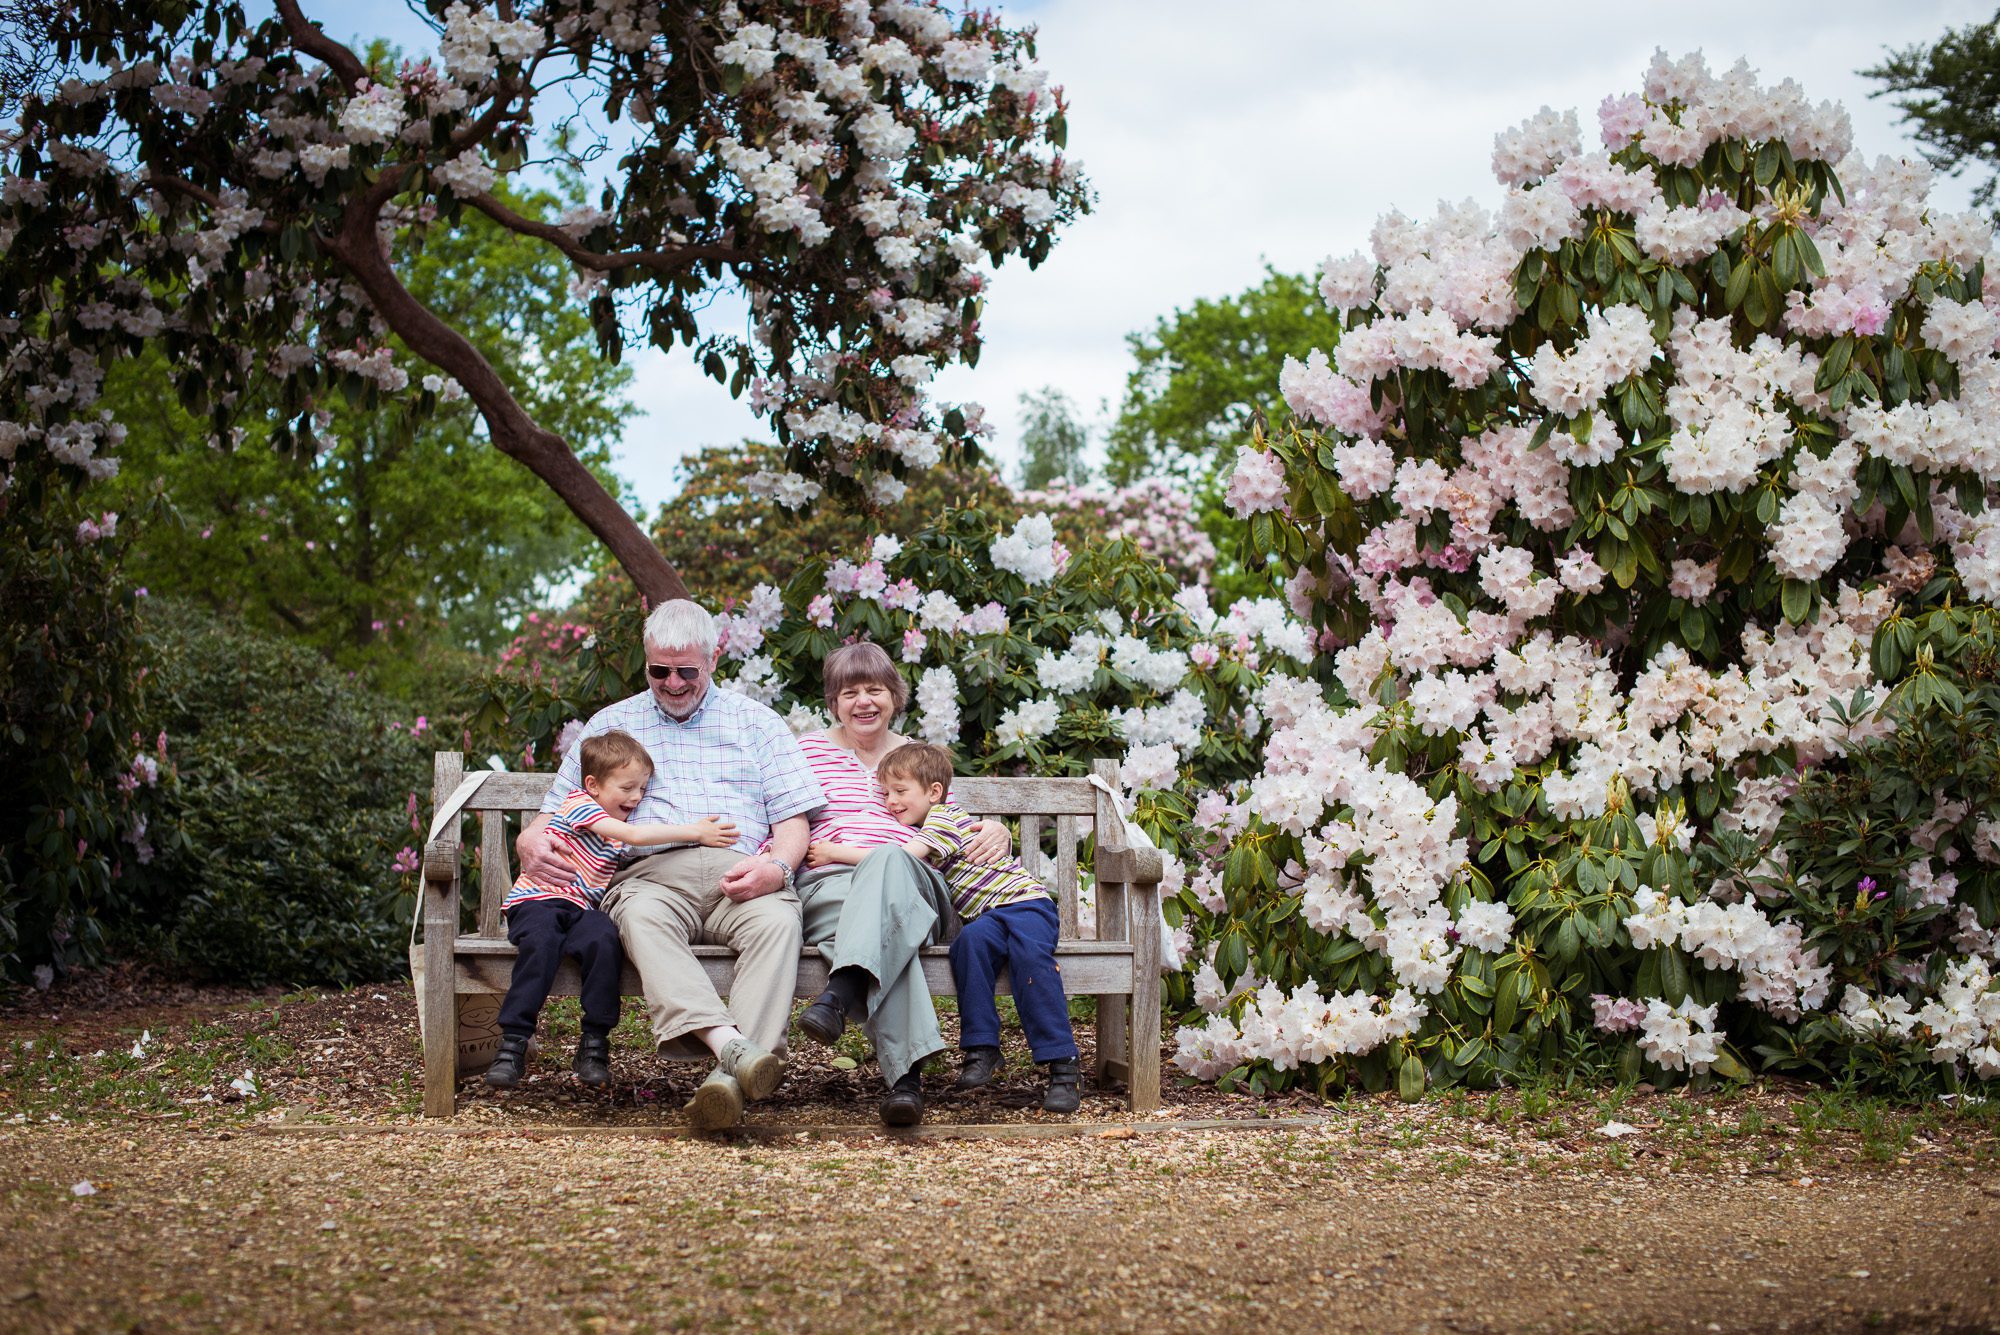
(554, 917)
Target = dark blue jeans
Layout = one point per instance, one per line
(545, 930)
(1022, 938)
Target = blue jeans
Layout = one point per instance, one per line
(1022, 938)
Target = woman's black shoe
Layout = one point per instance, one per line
(978, 1069)
(904, 1104)
(509, 1063)
(826, 1019)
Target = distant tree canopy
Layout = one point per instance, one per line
(1054, 438)
(1204, 372)
(1950, 92)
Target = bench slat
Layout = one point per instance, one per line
(1066, 887)
(1031, 849)
(496, 877)
(507, 790)
(1022, 796)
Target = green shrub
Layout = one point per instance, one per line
(82, 772)
(294, 807)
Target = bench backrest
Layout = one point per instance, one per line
(1072, 806)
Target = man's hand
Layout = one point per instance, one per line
(990, 843)
(752, 878)
(535, 852)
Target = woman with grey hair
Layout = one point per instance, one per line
(869, 919)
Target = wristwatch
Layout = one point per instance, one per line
(791, 877)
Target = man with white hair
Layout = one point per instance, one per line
(715, 753)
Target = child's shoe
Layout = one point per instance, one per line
(1065, 1091)
(509, 1063)
(981, 1064)
(592, 1062)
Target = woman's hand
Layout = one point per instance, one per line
(990, 843)
(819, 854)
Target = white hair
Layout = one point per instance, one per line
(680, 624)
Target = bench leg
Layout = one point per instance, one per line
(1144, 1078)
(440, 1007)
(1112, 1063)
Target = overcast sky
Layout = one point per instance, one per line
(1222, 137)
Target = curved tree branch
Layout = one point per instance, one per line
(660, 261)
(311, 39)
(513, 431)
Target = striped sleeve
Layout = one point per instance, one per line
(946, 830)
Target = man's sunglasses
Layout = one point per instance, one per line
(660, 672)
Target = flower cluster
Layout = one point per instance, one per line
(1154, 515)
(856, 170)
(1631, 473)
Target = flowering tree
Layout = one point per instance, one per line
(247, 194)
(1620, 507)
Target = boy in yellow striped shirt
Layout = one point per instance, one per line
(1010, 922)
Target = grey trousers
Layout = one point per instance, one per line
(876, 917)
(668, 902)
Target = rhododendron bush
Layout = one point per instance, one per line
(246, 192)
(1025, 657)
(1622, 508)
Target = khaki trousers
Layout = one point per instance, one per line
(669, 902)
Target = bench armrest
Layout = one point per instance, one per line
(1133, 866)
(441, 862)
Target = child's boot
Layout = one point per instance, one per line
(509, 1063)
(981, 1064)
(1065, 1091)
(592, 1062)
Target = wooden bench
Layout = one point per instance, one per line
(1120, 965)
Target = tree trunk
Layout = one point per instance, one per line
(550, 458)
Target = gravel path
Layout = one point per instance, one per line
(1184, 1231)
(314, 1199)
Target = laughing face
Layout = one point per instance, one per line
(678, 678)
(620, 791)
(865, 710)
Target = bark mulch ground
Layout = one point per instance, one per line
(145, 1193)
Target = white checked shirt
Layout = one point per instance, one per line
(732, 757)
